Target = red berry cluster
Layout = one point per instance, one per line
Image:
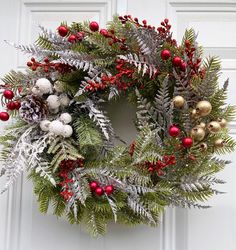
(193, 62)
(110, 34)
(11, 105)
(135, 20)
(46, 65)
(72, 38)
(164, 29)
(65, 167)
(98, 190)
(116, 79)
(168, 160)
(177, 62)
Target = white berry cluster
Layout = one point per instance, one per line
(58, 127)
(54, 101)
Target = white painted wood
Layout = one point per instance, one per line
(22, 227)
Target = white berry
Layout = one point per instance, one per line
(44, 125)
(53, 102)
(36, 91)
(56, 127)
(65, 118)
(58, 86)
(64, 100)
(44, 85)
(67, 131)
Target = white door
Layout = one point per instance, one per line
(22, 227)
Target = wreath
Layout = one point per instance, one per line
(63, 138)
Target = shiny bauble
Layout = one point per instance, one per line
(8, 94)
(203, 108)
(99, 191)
(214, 127)
(65, 118)
(165, 54)
(109, 189)
(44, 125)
(202, 125)
(174, 131)
(203, 146)
(178, 101)
(93, 185)
(219, 143)
(198, 133)
(67, 131)
(56, 127)
(53, 102)
(4, 116)
(94, 26)
(176, 61)
(187, 142)
(222, 122)
(194, 114)
(11, 105)
(62, 30)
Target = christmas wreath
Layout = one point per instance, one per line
(64, 139)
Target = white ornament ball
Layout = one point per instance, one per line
(67, 131)
(53, 101)
(44, 125)
(44, 85)
(56, 127)
(36, 91)
(58, 87)
(64, 100)
(65, 118)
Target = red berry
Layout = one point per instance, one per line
(187, 142)
(62, 30)
(93, 185)
(150, 169)
(11, 105)
(166, 20)
(99, 191)
(80, 36)
(183, 66)
(109, 189)
(177, 61)
(104, 32)
(29, 64)
(187, 43)
(72, 38)
(94, 26)
(144, 22)
(165, 54)
(174, 131)
(17, 105)
(8, 94)
(4, 116)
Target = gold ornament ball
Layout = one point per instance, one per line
(194, 114)
(214, 127)
(178, 101)
(198, 133)
(202, 125)
(219, 143)
(203, 108)
(203, 146)
(222, 122)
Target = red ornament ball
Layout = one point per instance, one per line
(72, 38)
(109, 189)
(93, 185)
(104, 32)
(17, 105)
(99, 191)
(62, 30)
(187, 142)
(4, 116)
(11, 105)
(165, 54)
(8, 94)
(177, 61)
(174, 131)
(94, 26)
(183, 66)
